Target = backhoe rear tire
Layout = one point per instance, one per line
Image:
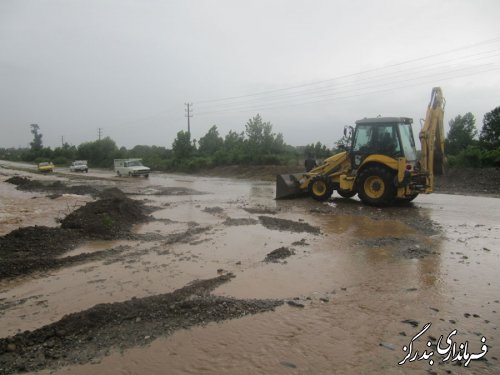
(347, 193)
(320, 188)
(376, 186)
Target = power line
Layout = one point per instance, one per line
(354, 92)
(351, 85)
(489, 41)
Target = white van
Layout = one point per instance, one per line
(131, 167)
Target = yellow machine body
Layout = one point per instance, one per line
(381, 164)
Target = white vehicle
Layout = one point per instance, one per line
(131, 167)
(79, 166)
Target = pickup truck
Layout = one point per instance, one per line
(131, 167)
(79, 166)
(45, 167)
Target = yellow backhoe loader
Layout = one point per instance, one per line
(380, 163)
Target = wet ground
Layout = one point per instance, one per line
(222, 279)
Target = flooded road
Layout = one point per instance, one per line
(360, 284)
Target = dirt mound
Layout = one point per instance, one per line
(24, 183)
(55, 188)
(469, 181)
(276, 255)
(89, 335)
(38, 248)
(25, 250)
(108, 217)
(273, 223)
(18, 180)
(242, 221)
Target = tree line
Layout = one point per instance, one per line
(466, 147)
(257, 144)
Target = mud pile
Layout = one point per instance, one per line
(37, 248)
(55, 188)
(25, 250)
(469, 181)
(274, 223)
(108, 217)
(89, 335)
(276, 255)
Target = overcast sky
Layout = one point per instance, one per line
(309, 67)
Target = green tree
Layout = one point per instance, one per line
(64, 154)
(317, 151)
(36, 144)
(462, 133)
(211, 142)
(182, 146)
(234, 141)
(154, 157)
(99, 153)
(261, 142)
(233, 150)
(258, 134)
(490, 132)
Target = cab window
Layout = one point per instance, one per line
(376, 139)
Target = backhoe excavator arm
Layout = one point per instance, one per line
(431, 136)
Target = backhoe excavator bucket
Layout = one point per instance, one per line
(288, 186)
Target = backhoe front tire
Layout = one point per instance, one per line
(376, 186)
(320, 188)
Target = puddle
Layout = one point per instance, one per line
(22, 209)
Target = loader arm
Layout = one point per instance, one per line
(432, 160)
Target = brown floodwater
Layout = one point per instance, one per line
(354, 280)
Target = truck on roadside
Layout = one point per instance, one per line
(131, 167)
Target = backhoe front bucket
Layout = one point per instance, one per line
(287, 186)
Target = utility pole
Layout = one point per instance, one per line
(189, 114)
(99, 131)
(62, 141)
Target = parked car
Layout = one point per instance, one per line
(45, 167)
(79, 166)
(131, 167)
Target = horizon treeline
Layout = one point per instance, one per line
(257, 144)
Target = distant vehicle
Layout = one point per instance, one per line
(131, 167)
(45, 167)
(79, 166)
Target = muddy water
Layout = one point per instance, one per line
(20, 209)
(355, 281)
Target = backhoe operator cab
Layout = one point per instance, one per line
(389, 136)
